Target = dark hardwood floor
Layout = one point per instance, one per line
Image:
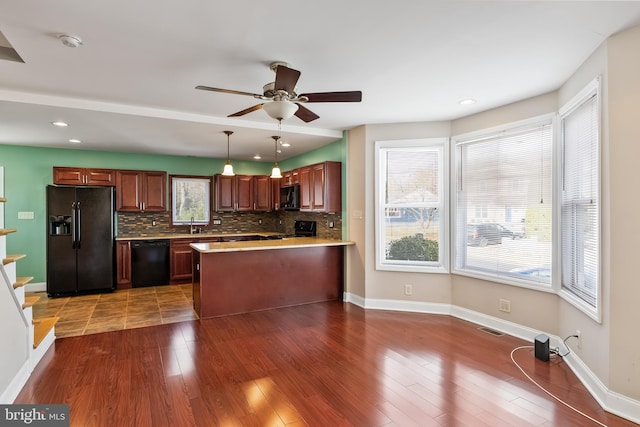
(324, 364)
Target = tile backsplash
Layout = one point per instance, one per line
(159, 223)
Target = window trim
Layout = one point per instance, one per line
(486, 134)
(209, 201)
(593, 88)
(407, 266)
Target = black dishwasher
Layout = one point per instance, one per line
(149, 263)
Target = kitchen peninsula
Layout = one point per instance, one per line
(245, 276)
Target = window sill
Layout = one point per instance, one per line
(578, 303)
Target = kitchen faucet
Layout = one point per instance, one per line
(191, 229)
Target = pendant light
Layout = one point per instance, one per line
(275, 172)
(228, 168)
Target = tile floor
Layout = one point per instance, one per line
(122, 309)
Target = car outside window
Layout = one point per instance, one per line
(504, 205)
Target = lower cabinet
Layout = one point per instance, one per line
(123, 264)
(181, 258)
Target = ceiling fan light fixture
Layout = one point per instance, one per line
(280, 110)
(228, 168)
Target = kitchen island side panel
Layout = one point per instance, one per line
(246, 281)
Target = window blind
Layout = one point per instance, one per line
(580, 200)
(504, 204)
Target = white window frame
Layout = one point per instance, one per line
(442, 266)
(457, 234)
(592, 89)
(206, 182)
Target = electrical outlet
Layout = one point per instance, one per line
(330, 224)
(579, 334)
(260, 221)
(217, 221)
(505, 305)
(408, 289)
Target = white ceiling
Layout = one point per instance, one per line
(130, 87)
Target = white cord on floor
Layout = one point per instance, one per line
(549, 393)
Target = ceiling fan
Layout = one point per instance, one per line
(282, 100)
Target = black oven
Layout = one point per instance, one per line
(290, 197)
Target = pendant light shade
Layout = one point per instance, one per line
(275, 172)
(228, 168)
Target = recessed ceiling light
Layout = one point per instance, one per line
(75, 141)
(257, 157)
(69, 40)
(467, 101)
(60, 124)
(285, 144)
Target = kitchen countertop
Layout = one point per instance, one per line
(259, 245)
(151, 236)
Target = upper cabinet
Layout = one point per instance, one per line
(321, 187)
(290, 177)
(262, 192)
(243, 193)
(83, 176)
(141, 191)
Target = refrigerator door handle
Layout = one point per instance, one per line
(79, 216)
(73, 225)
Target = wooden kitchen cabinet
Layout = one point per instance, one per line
(83, 176)
(123, 264)
(290, 177)
(275, 193)
(263, 200)
(141, 191)
(234, 193)
(243, 193)
(181, 258)
(225, 193)
(321, 187)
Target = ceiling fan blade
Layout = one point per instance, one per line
(246, 111)
(234, 92)
(305, 114)
(352, 96)
(286, 78)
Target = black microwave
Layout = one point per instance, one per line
(290, 197)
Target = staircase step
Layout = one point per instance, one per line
(5, 231)
(12, 258)
(21, 281)
(29, 301)
(41, 328)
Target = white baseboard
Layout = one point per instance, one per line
(15, 386)
(36, 287)
(610, 401)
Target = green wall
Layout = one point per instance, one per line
(28, 170)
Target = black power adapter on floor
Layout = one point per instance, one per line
(541, 346)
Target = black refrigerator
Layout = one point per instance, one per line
(80, 240)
